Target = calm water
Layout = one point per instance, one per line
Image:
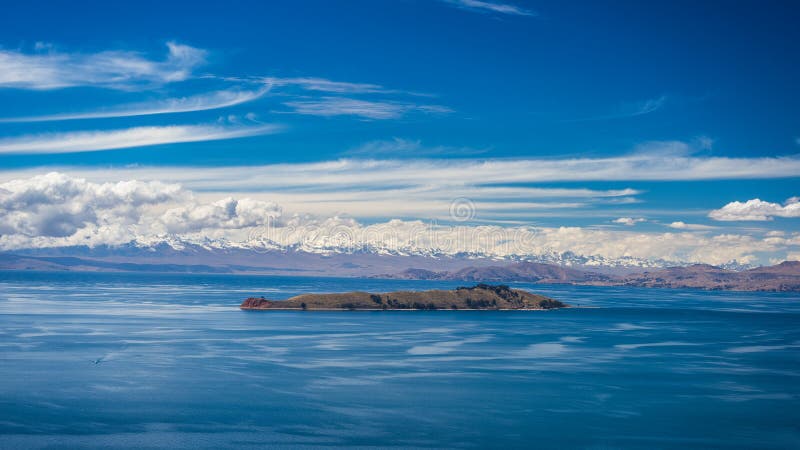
(124, 360)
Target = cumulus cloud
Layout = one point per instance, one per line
(56, 205)
(55, 209)
(629, 221)
(88, 141)
(756, 210)
(114, 69)
(689, 226)
(199, 102)
(228, 213)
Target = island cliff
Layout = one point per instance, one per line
(480, 297)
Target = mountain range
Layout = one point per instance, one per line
(222, 257)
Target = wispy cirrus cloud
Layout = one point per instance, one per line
(628, 110)
(499, 188)
(326, 85)
(47, 69)
(491, 7)
(88, 141)
(367, 109)
(199, 102)
(383, 173)
(647, 106)
(400, 147)
(119, 69)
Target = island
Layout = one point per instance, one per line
(480, 297)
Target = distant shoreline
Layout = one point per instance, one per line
(783, 277)
(788, 288)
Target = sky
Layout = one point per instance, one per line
(665, 130)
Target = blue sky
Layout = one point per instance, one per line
(676, 109)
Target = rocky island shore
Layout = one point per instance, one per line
(479, 297)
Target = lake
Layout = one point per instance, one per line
(105, 360)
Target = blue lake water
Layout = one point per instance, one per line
(169, 361)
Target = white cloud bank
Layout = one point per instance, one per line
(56, 205)
(88, 141)
(59, 210)
(123, 70)
(228, 213)
(54, 208)
(757, 210)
